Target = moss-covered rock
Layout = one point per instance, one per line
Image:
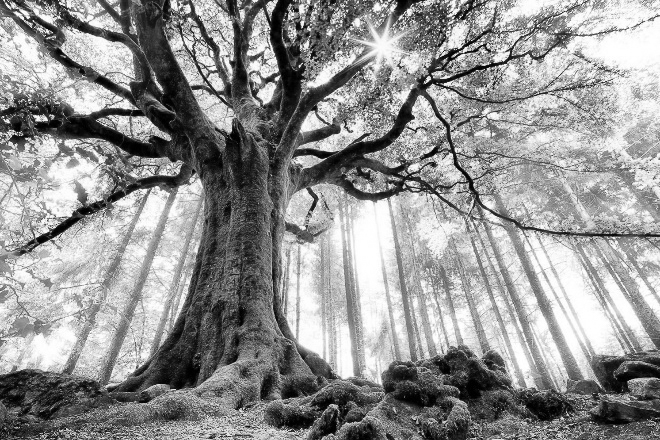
(545, 405)
(291, 413)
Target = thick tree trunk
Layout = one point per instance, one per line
(410, 332)
(351, 300)
(616, 318)
(176, 280)
(541, 374)
(110, 273)
(135, 296)
(570, 364)
(174, 310)
(231, 338)
(388, 299)
(520, 378)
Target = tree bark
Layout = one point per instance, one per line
(231, 338)
(174, 310)
(388, 299)
(176, 279)
(570, 364)
(285, 282)
(135, 296)
(541, 374)
(520, 378)
(110, 273)
(410, 333)
(436, 297)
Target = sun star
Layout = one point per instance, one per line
(383, 45)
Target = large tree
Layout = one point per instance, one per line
(235, 91)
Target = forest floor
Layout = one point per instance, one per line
(249, 425)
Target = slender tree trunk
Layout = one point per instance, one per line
(323, 299)
(390, 307)
(472, 306)
(553, 376)
(570, 364)
(632, 259)
(450, 305)
(421, 296)
(418, 333)
(643, 310)
(567, 298)
(330, 307)
(587, 354)
(135, 297)
(351, 303)
(286, 281)
(599, 287)
(520, 378)
(542, 375)
(298, 293)
(436, 297)
(352, 257)
(110, 273)
(174, 310)
(176, 280)
(410, 333)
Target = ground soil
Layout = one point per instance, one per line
(249, 424)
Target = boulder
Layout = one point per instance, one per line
(645, 388)
(620, 410)
(546, 405)
(152, 392)
(50, 395)
(585, 387)
(604, 367)
(471, 375)
(414, 384)
(635, 369)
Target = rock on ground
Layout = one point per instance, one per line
(437, 399)
(585, 387)
(645, 388)
(623, 410)
(604, 367)
(50, 395)
(634, 370)
(152, 392)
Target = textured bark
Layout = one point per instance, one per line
(520, 378)
(108, 277)
(410, 332)
(540, 371)
(176, 279)
(351, 306)
(587, 354)
(231, 338)
(174, 310)
(616, 318)
(135, 296)
(570, 364)
(386, 284)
